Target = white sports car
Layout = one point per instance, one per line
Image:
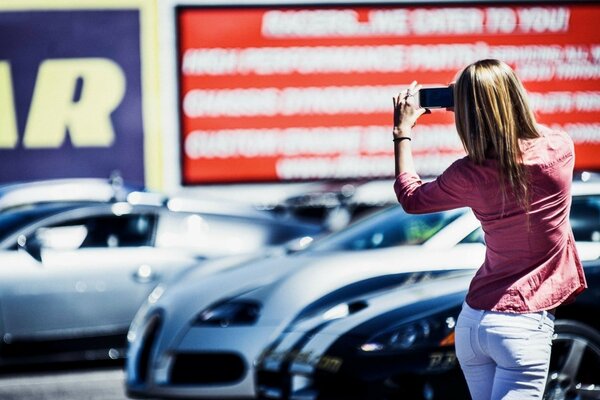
(74, 269)
(201, 338)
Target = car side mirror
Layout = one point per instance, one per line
(32, 245)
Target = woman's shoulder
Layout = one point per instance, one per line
(555, 135)
(467, 173)
(553, 145)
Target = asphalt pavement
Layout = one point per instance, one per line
(78, 384)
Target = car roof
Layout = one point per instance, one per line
(216, 206)
(62, 190)
(581, 188)
(80, 192)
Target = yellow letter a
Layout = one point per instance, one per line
(8, 119)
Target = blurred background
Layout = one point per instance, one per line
(267, 102)
(141, 138)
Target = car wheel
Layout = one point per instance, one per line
(575, 362)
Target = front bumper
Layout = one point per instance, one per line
(207, 362)
(426, 375)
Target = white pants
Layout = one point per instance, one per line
(504, 355)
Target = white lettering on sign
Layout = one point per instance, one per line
(356, 167)
(447, 21)
(538, 62)
(292, 142)
(288, 60)
(583, 134)
(390, 22)
(415, 22)
(288, 101)
(595, 52)
(500, 20)
(333, 100)
(273, 142)
(231, 102)
(543, 19)
(312, 23)
(565, 102)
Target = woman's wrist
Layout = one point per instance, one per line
(401, 132)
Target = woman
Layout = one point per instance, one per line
(516, 177)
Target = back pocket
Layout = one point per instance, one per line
(464, 344)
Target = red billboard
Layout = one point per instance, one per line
(305, 93)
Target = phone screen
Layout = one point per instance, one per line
(441, 97)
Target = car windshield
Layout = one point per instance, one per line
(13, 220)
(390, 227)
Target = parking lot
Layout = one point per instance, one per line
(94, 382)
(217, 200)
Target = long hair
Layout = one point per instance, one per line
(492, 113)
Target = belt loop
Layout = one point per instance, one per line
(543, 315)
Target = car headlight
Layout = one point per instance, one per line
(231, 312)
(433, 331)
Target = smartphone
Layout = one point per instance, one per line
(439, 97)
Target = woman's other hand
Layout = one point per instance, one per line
(406, 110)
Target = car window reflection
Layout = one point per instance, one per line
(391, 227)
(101, 231)
(585, 218)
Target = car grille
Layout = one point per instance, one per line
(143, 362)
(207, 368)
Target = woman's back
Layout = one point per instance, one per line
(524, 251)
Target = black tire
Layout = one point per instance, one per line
(575, 362)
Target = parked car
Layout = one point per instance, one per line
(201, 339)
(335, 204)
(23, 194)
(361, 354)
(74, 273)
(400, 344)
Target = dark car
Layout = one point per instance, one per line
(399, 343)
(401, 346)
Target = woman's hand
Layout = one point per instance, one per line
(406, 111)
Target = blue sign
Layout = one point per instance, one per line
(70, 94)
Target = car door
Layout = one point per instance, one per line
(97, 267)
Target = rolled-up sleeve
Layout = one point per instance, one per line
(450, 190)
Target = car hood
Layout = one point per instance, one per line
(287, 296)
(383, 310)
(305, 275)
(403, 301)
(284, 285)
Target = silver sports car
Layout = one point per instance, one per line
(73, 273)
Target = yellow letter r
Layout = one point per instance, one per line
(54, 110)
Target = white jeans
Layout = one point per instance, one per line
(504, 355)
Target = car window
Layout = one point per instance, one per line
(212, 235)
(15, 220)
(391, 227)
(474, 237)
(99, 231)
(585, 218)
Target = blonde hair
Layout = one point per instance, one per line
(492, 114)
